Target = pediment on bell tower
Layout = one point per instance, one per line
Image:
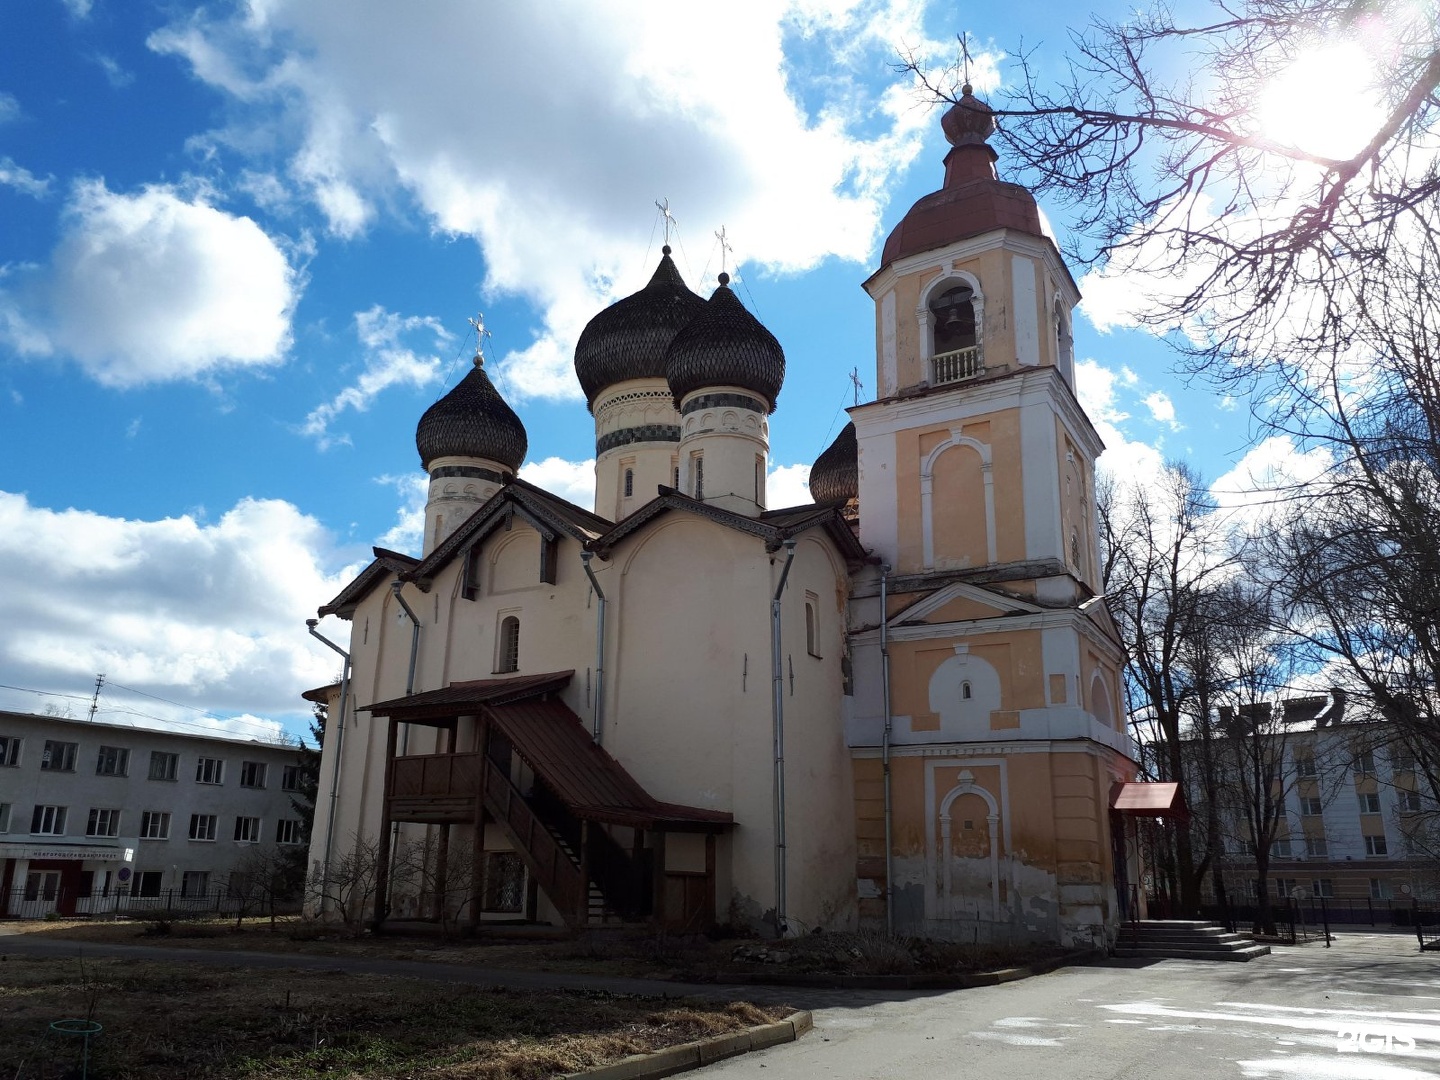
(963, 602)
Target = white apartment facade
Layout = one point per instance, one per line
(96, 815)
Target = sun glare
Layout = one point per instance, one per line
(1323, 103)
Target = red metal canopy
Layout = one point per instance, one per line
(1142, 799)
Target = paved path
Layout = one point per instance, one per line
(1366, 1009)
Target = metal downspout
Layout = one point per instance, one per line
(395, 587)
(778, 710)
(599, 720)
(311, 624)
(885, 749)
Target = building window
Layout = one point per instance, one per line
(509, 657)
(252, 774)
(9, 750)
(103, 822)
(504, 882)
(1310, 805)
(155, 825)
(965, 690)
(1375, 845)
(1365, 763)
(697, 468)
(290, 778)
(287, 831)
(1305, 767)
(1316, 847)
(1369, 802)
(1284, 887)
(759, 481)
(1409, 802)
(195, 883)
(812, 632)
(470, 573)
(1379, 889)
(163, 766)
(1322, 887)
(59, 756)
(4, 817)
(48, 821)
(202, 826)
(247, 830)
(210, 770)
(147, 883)
(676, 485)
(113, 761)
(629, 483)
(1280, 849)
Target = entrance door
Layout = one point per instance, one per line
(41, 889)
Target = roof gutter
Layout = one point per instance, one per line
(311, 624)
(777, 682)
(599, 714)
(885, 750)
(395, 588)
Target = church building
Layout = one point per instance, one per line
(895, 707)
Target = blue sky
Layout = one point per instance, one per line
(239, 246)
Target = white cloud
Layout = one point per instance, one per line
(572, 480)
(1131, 460)
(387, 363)
(9, 108)
(80, 9)
(117, 76)
(153, 287)
(1162, 409)
(407, 535)
(1269, 477)
(207, 614)
(23, 180)
(787, 485)
(555, 179)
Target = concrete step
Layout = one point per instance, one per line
(1176, 924)
(1243, 954)
(1177, 936)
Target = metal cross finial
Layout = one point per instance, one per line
(663, 205)
(965, 56)
(478, 324)
(855, 380)
(725, 248)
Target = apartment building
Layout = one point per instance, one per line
(1354, 802)
(95, 814)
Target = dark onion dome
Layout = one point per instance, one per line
(973, 200)
(725, 346)
(472, 421)
(629, 338)
(835, 476)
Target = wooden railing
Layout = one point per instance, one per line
(957, 365)
(554, 870)
(420, 775)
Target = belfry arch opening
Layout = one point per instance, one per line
(955, 343)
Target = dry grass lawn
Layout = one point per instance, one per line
(167, 1021)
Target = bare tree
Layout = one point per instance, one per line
(348, 890)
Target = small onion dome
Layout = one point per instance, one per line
(835, 476)
(725, 346)
(472, 421)
(969, 121)
(629, 338)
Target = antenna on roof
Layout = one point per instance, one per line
(95, 701)
(478, 323)
(663, 205)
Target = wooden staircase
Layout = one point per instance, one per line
(1182, 939)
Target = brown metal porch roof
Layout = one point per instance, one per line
(1141, 799)
(465, 698)
(592, 784)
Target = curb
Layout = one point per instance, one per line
(692, 1055)
(903, 982)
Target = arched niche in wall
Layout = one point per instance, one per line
(515, 562)
(964, 691)
(957, 504)
(967, 798)
(1100, 705)
(1064, 341)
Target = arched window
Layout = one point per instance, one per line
(812, 633)
(956, 353)
(508, 658)
(965, 690)
(699, 467)
(629, 482)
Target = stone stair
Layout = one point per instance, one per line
(1182, 939)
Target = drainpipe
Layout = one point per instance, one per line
(339, 746)
(599, 720)
(395, 587)
(885, 749)
(778, 708)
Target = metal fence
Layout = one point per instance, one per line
(41, 903)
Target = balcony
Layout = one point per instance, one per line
(957, 365)
(435, 788)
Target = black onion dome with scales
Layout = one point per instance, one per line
(629, 338)
(835, 476)
(472, 421)
(725, 346)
